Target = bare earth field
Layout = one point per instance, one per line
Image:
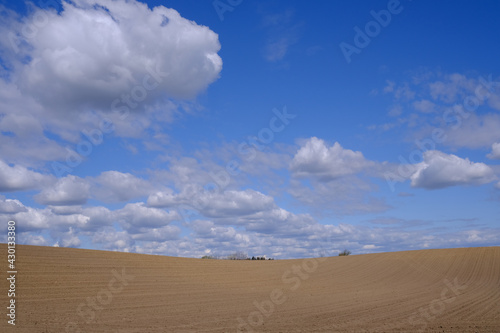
(74, 290)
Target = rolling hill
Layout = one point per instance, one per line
(76, 290)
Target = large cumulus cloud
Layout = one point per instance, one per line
(439, 170)
(64, 71)
(95, 50)
(316, 159)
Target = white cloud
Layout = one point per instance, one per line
(91, 59)
(402, 92)
(92, 52)
(98, 217)
(461, 102)
(208, 230)
(184, 173)
(345, 196)
(162, 199)
(334, 179)
(424, 106)
(66, 210)
(495, 151)
(69, 239)
(33, 219)
(452, 88)
(389, 88)
(136, 217)
(283, 32)
(67, 191)
(250, 209)
(275, 232)
(19, 178)
(439, 170)
(277, 49)
(111, 239)
(34, 240)
(21, 117)
(168, 232)
(265, 161)
(64, 222)
(233, 203)
(477, 131)
(316, 159)
(111, 186)
(56, 219)
(11, 206)
(370, 247)
(215, 204)
(395, 111)
(278, 222)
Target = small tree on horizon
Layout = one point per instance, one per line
(345, 253)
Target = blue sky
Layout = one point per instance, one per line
(280, 128)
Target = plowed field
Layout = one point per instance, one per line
(75, 290)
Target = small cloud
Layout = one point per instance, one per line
(387, 126)
(404, 93)
(65, 210)
(389, 87)
(278, 19)
(316, 159)
(395, 111)
(131, 148)
(424, 106)
(283, 32)
(405, 194)
(276, 50)
(495, 151)
(451, 88)
(370, 247)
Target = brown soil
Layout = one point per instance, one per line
(74, 290)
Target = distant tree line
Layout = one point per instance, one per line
(260, 258)
(237, 256)
(208, 257)
(243, 256)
